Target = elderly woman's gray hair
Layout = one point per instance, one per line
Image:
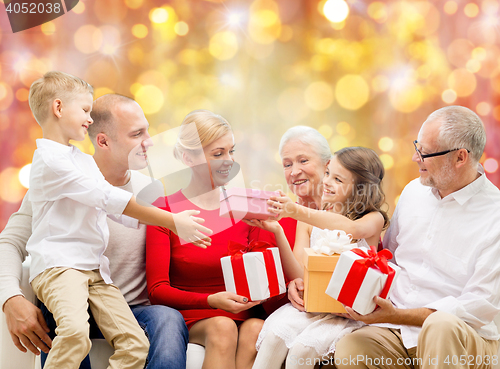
(308, 136)
(460, 128)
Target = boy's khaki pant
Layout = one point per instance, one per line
(67, 293)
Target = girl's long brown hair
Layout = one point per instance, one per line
(367, 194)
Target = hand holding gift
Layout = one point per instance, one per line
(243, 203)
(360, 276)
(270, 225)
(385, 312)
(282, 206)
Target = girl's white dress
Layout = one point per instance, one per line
(320, 331)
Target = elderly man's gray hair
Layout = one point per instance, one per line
(308, 136)
(461, 128)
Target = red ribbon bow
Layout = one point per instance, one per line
(358, 271)
(236, 251)
(234, 248)
(374, 258)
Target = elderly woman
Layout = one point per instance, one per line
(190, 279)
(305, 154)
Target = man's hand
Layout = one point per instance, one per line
(386, 312)
(189, 228)
(296, 293)
(26, 325)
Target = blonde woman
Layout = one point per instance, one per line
(189, 279)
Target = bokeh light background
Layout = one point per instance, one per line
(361, 72)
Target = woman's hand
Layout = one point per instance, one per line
(281, 206)
(189, 228)
(230, 302)
(270, 225)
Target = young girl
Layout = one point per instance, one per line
(353, 197)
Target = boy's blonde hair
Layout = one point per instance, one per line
(54, 85)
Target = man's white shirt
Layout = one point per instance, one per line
(449, 251)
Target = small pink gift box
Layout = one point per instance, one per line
(244, 203)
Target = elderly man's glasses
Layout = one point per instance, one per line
(423, 156)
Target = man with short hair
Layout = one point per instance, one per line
(445, 236)
(120, 138)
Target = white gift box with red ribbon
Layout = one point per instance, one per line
(256, 275)
(359, 276)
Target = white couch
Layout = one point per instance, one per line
(12, 358)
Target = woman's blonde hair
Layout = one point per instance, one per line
(199, 129)
(367, 194)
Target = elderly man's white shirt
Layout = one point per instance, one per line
(449, 252)
(70, 200)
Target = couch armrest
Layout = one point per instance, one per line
(10, 356)
(25, 282)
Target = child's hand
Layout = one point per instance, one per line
(282, 206)
(270, 225)
(189, 228)
(296, 293)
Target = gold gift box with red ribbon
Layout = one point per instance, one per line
(253, 271)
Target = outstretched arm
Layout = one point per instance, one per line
(69, 182)
(368, 226)
(183, 224)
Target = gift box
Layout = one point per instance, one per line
(244, 203)
(253, 271)
(318, 269)
(359, 276)
(319, 263)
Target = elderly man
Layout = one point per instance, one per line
(445, 236)
(120, 138)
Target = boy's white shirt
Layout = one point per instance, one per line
(126, 249)
(70, 199)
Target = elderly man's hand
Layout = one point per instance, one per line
(26, 325)
(384, 313)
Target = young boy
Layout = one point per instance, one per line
(70, 200)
